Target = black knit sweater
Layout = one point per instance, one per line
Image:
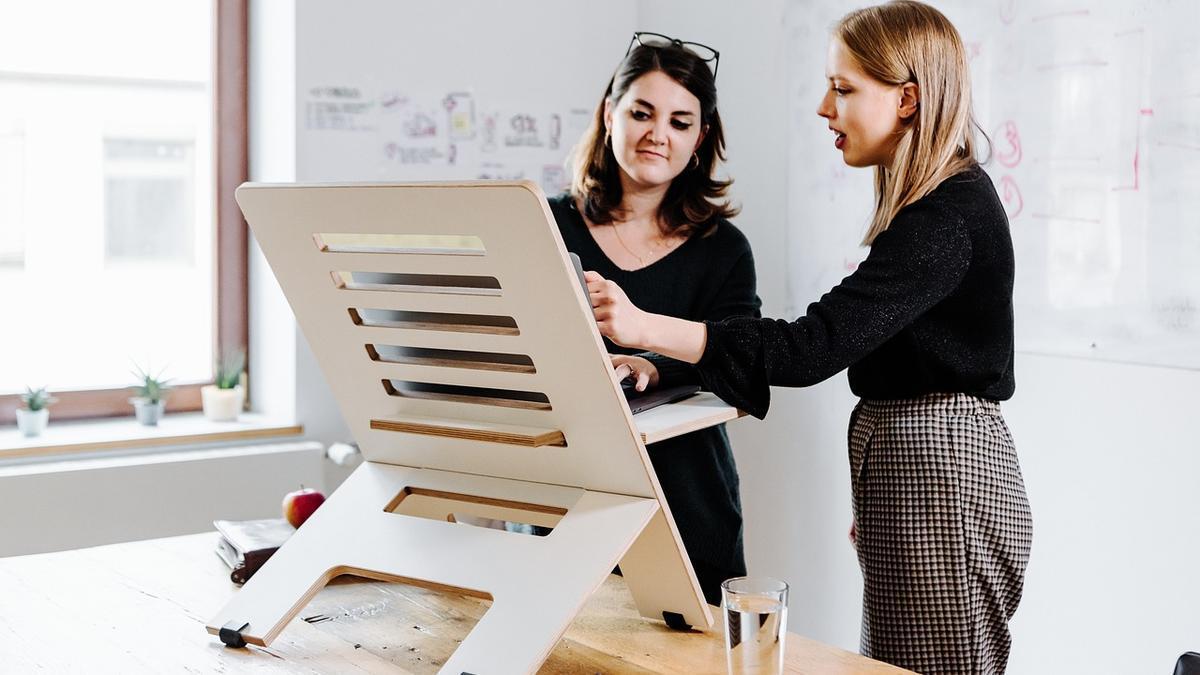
(929, 310)
(705, 278)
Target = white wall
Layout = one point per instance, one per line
(1110, 462)
(1106, 449)
(272, 121)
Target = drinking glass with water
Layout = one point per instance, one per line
(755, 610)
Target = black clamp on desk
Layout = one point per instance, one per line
(675, 621)
(231, 634)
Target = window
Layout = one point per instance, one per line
(12, 195)
(120, 244)
(149, 201)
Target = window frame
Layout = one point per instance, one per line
(231, 144)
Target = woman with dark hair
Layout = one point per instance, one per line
(645, 209)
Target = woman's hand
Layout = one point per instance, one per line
(616, 317)
(643, 371)
(622, 322)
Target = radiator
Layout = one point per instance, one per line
(65, 505)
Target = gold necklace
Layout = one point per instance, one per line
(617, 232)
(655, 244)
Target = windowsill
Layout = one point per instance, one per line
(67, 438)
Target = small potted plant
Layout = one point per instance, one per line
(32, 418)
(150, 396)
(223, 400)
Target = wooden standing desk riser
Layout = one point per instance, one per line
(559, 436)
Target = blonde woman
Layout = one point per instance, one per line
(925, 326)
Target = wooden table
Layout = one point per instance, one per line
(141, 607)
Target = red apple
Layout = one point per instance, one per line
(299, 505)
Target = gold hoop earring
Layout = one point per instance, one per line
(695, 163)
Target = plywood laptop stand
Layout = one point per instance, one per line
(464, 358)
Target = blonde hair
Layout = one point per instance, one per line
(907, 41)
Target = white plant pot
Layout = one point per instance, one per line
(148, 413)
(32, 422)
(222, 405)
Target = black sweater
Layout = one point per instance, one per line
(929, 310)
(705, 278)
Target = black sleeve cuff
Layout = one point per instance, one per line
(732, 366)
(672, 372)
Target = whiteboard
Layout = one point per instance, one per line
(396, 133)
(397, 91)
(1093, 110)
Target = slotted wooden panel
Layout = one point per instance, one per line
(524, 253)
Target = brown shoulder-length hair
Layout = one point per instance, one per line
(693, 202)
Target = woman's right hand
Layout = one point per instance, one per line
(619, 320)
(616, 316)
(644, 372)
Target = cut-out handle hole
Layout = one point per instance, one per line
(457, 284)
(487, 512)
(506, 398)
(451, 358)
(439, 321)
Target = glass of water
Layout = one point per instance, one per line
(755, 610)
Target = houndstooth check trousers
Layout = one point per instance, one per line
(943, 531)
